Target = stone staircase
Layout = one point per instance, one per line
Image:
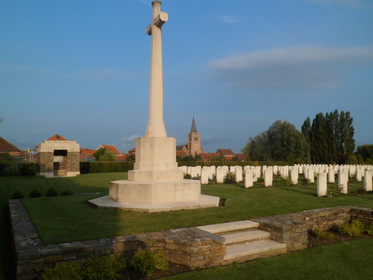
(244, 241)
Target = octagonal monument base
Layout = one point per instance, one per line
(204, 201)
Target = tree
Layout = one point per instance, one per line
(281, 142)
(104, 155)
(107, 156)
(331, 137)
(98, 154)
(366, 153)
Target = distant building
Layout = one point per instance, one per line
(117, 154)
(58, 156)
(7, 147)
(194, 141)
(87, 154)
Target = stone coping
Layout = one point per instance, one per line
(192, 247)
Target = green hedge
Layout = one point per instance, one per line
(105, 166)
(231, 163)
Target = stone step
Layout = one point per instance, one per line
(245, 236)
(232, 226)
(254, 250)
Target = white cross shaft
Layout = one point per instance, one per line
(156, 127)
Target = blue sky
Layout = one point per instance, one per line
(81, 68)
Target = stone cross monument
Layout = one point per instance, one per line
(156, 127)
(156, 183)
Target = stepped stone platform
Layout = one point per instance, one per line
(244, 241)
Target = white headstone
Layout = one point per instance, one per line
(249, 178)
(342, 181)
(368, 180)
(322, 186)
(268, 177)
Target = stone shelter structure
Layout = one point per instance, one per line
(58, 157)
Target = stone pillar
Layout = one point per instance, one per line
(368, 180)
(249, 178)
(322, 187)
(156, 127)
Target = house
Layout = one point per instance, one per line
(7, 147)
(87, 154)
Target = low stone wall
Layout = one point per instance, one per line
(191, 247)
(293, 228)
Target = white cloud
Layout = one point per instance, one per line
(290, 68)
(129, 141)
(228, 19)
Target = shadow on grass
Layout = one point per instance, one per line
(297, 189)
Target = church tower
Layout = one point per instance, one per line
(194, 141)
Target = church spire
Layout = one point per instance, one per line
(193, 128)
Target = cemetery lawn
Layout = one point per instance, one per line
(69, 218)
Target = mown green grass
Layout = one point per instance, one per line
(350, 260)
(63, 219)
(68, 218)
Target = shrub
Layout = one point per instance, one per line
(51, 192)
(94, 268)
(146, 262)
(35, 193)
(230, 178)
(369, 229)
(187, 176)
(67, 192)
(104, 268)
(27, 168)
(286, 182)
(63, 271)
(18, 195)
(322, 234)
(353, 229)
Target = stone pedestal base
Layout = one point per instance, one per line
(204, 201)
(125, 191)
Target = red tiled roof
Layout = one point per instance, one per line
(209, 156)
(110, 148)
(122, 157)
(57, 137)
(180, 153)
(5, 146)
(132, 151)
(225, 152)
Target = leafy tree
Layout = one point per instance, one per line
(104, 155)
(98, 154)
(366, 153)
(281, 142)
(107, 156)
(331, 137)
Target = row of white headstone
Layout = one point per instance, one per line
(249, 174)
